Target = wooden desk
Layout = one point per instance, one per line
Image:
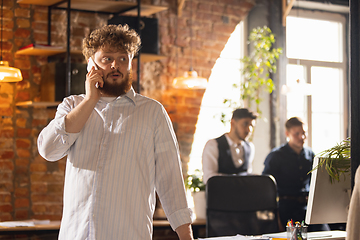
(46, 231)
(54, 226)
(197, 225)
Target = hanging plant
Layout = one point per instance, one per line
(256, 69)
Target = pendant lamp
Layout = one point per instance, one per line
(7, 74)
(190, 79)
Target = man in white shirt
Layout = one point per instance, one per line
(231, 153)
(120, 148)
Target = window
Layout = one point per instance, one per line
(316, 75)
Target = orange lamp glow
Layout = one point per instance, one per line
(9, 74)
(190, 80)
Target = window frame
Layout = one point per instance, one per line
(307, 64)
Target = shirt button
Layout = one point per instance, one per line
(300, 167)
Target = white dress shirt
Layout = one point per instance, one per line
(211, 154)
(126, 150)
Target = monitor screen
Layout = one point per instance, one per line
(328, 201)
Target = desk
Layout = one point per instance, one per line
(52, 229)
(197, 225)
(323, 235)
(44, 231)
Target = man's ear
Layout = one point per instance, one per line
(286, 133)
(232, 122)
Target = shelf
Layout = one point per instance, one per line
(147, 57)
(37, 104)
(105, 6)
(35, 51)
(39, 2)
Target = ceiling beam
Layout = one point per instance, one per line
(286, 10)
(180, 5)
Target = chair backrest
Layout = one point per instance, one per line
(243, 205)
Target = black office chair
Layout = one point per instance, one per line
(244, 205)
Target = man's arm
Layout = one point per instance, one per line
(76, 119)
(185, 232)
(210, 160)
(55, 140)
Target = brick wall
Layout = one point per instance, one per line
(30, 187)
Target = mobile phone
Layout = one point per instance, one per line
(90, 64)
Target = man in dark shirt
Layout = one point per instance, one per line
(289, 164)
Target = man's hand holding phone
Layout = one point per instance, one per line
(93, 78)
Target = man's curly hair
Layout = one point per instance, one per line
(116, 37)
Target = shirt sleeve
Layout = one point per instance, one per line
(210, 160)
(53, 141)
(251, 157)
(169, 179)
(269, 167)
(352, 227)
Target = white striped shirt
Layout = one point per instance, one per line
(125, 151)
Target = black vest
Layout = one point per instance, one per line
(225, 161)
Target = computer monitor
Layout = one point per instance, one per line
(328, 201)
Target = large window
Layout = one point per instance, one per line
(316, 75)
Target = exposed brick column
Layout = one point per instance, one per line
(183, 106)
(212, 24)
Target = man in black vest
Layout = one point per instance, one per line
(231, 153)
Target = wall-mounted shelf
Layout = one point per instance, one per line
(37, 104)
(39, 51)
(95, 6)
(148, 57)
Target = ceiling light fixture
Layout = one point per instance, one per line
(190, 79)
(7, 74)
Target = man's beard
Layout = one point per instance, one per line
(239, 135)
(115, 89)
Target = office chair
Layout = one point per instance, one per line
(244, 205)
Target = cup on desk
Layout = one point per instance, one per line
(296, 232)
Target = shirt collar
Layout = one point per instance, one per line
(130, 95)
(291, 150)
(231, 142)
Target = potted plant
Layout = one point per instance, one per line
(195, 184)
(256, 69)
(336, 160)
